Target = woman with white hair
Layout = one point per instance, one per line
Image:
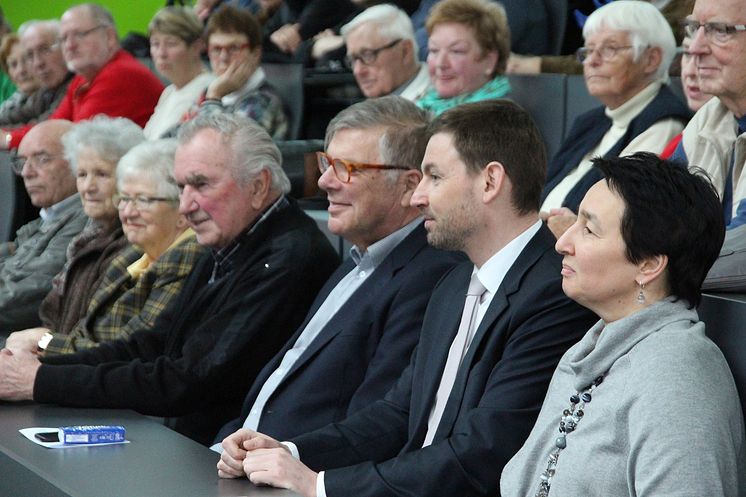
(141, 281)
(93, 149)
(628, 49)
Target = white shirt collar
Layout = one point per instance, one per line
(493, 271)
(623, 115)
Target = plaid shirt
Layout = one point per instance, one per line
(122, 305)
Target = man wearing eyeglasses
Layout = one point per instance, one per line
(365, 322)
(715, 138)
(494, 329)
(28, 264)
(382, 53)
(107, 79)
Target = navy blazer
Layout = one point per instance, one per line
(207, 347)
(361, 351)
(496, 397)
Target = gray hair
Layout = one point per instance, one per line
(253, 149)
(100, 14)
(153, 160)
(646, 27)
(405, 135)
(392, 22)
(109, 137)
(48, 25)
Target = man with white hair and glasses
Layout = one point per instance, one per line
(715, 138)
(382, 53)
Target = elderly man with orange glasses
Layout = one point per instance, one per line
(362, 327)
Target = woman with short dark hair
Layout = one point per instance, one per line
(234, 45)
(645, 404)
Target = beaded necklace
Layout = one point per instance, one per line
(568, 422)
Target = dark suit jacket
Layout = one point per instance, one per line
(494, 402)
(208, 346)
(361, 351)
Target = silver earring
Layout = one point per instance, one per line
(641, 295)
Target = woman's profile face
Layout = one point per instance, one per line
(455, 60)
(595, 270)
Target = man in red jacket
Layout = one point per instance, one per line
(107, 79)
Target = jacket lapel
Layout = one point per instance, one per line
(491, 325)
(374, 286)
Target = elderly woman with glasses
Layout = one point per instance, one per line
(145, 277)
(468, 49)
(234, 45)
(645, 404)
(628, 48)
(176, 49)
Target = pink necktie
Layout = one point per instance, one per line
(456, 354)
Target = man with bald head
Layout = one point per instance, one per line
(28, 264)
(107, 79)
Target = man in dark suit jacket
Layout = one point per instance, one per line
(237, 308)
(452, 420)
(357, 339)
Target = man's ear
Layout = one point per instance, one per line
(493, 179)
(411, 178)
(259, 187)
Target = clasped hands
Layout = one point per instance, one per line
(19, 364)
(265, 461)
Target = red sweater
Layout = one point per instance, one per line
(122, 88)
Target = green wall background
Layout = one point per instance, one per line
(130, 15)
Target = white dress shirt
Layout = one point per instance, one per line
(491, 274)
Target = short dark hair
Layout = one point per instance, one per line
(499, 130)
(669, 210)
(229, 19)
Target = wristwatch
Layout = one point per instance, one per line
(44, 342)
